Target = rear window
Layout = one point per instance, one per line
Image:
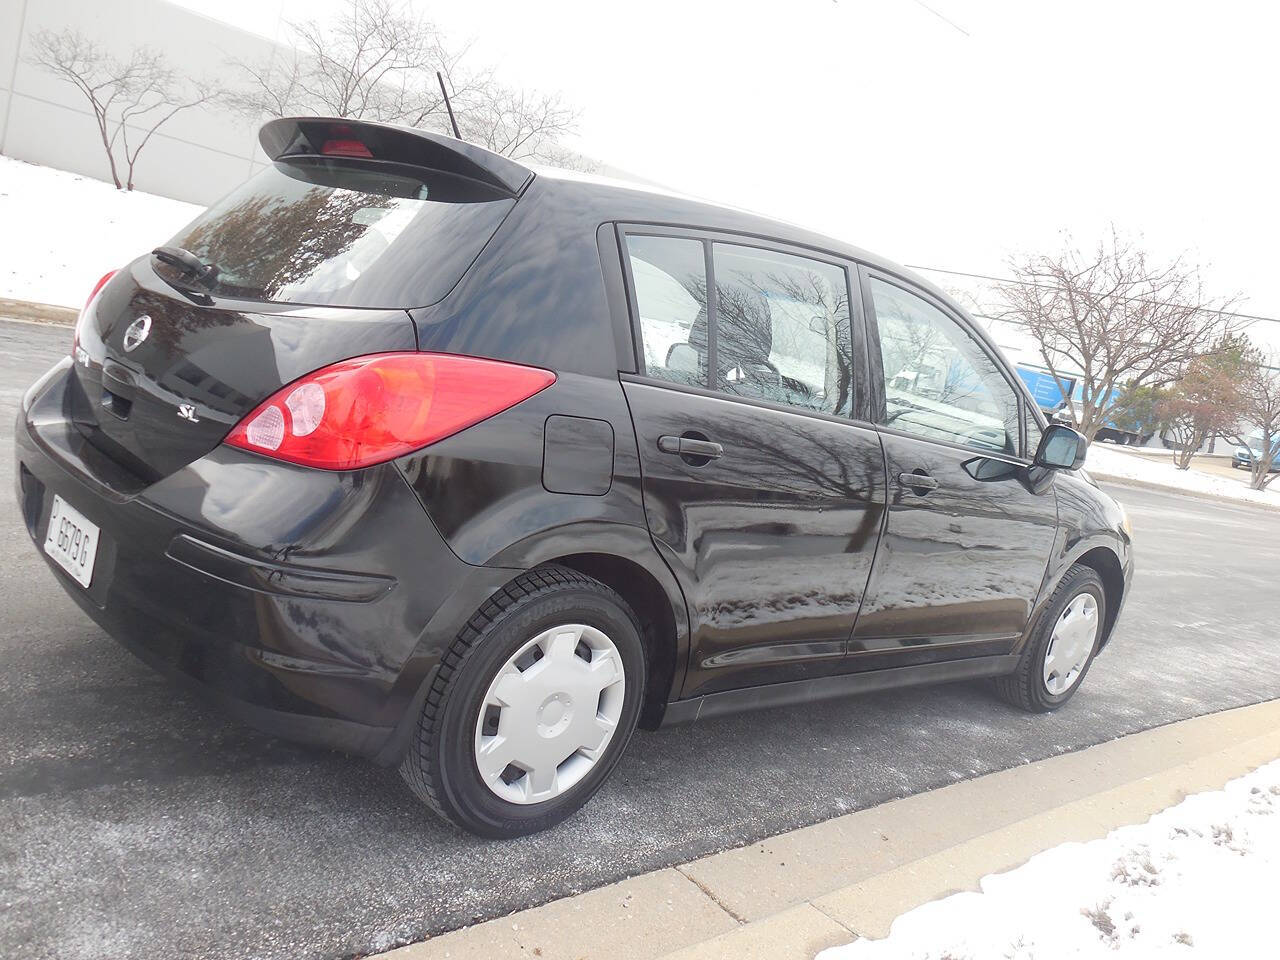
(335, 232)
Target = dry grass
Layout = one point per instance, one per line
(1101, 920)
(1136, 869)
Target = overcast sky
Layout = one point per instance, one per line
(945, 133)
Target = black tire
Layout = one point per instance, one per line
(439, 764)
(1025, 687)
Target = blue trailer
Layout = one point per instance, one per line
(1050, 394)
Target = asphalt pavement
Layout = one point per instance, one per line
(136, 822)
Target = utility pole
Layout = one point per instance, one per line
(448, 106)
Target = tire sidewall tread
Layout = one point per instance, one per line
(1024, 688)
(438, 763)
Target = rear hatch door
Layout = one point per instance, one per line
(160, 380)
(316, 259)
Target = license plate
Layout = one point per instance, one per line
(72, 541)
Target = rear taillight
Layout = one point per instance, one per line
(367, 410)
(102, 282)
(84, 311)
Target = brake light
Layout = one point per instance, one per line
(368, 410)
(97, 288)
(342, 142)
(345, 148)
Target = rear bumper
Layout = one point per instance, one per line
(310, 604)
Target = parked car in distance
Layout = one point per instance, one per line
(407, 449)
(1244, 456)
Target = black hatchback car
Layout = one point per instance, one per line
(408, 450)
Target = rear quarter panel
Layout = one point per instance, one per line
(496, 504)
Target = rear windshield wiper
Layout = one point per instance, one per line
(194, 275)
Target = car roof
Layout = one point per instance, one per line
(641, 202)
(606, 199)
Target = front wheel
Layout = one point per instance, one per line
(1061, 647)
(531, 707)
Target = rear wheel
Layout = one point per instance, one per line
(532, 706)
(1061, 647)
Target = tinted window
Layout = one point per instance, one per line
(939, 383)
(670, 281)
(340, 233)
(782, 329)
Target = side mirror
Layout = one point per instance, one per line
(1061, 448)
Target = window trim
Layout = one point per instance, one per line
(859, 351)
(879, 409)
(1027, 419)
(649, 381)
(614, 271)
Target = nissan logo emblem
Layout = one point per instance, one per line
(137, 332)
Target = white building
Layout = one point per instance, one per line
(198, 155)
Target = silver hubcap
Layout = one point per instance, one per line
(1071, 644)
(549, 714)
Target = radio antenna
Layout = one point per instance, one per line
(448, 106)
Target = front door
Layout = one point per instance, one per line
(762, 492)
(970, 522)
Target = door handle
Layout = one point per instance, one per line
(691, 447)
(919, 482)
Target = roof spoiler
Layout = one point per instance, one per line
(334, 136)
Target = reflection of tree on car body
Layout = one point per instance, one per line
(943, 421)
(934, 378)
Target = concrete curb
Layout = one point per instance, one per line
(792, 895)
(37, 312)
(1179, 492)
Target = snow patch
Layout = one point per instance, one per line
(1199, 877)
(60, 232)
(1114, 462)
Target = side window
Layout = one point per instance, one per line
(782, 329)
(939, 383)
(670, 278)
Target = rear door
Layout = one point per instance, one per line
(970, 522)
(763, 488)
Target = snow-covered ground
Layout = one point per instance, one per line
(1198, 879)
(59, 231)
(1108, 461)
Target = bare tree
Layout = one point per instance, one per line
(515, 123)
(1260, 407)
(1116, 315)
(130, 99)
(372, 61)
(377, 60)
